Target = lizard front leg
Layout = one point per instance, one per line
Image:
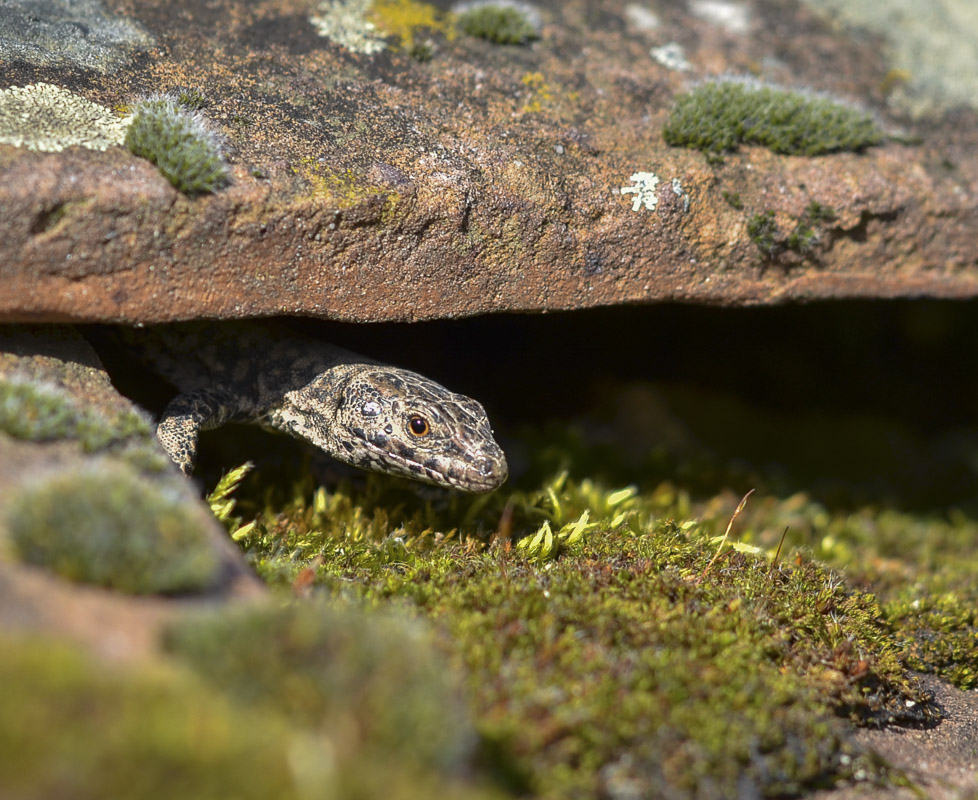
(186, 416)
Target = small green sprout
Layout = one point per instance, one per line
(191, 98)
(763, 231)
(111, 528)
(499, 22)
(180, 145)
(717, 116)
(803, 239)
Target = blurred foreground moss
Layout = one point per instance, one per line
(378, 679)
(72, 728)
(112, 528)
(603, 653)
(40, 412)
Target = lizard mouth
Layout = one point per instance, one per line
(483, 473)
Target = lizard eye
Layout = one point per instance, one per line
(418, 425)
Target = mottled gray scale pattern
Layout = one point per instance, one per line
(357, 410)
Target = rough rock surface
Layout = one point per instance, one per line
(442, 175)
(32, 599)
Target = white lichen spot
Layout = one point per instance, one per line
(44, 117)
(643, 187)
(672, 56)
(677, 189)
(641, 17)
(346, 23)
(731, 16)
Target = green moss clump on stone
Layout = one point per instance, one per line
(179, 144)
(498, 22)
(763, 232)
(111, 528)
(717, 116)
(328, 666)
(762, 229)
(39, 413)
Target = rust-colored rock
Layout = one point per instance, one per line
(33, 599)
(489, 178)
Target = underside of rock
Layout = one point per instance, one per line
(442, 175)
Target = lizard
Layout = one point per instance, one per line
(358, 410)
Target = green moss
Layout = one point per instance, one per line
(804, 237)
(40, 413)
(603, 652)
(111, 528)
(179, 144)
(733, 199)
(763, 232)
(499, 23)
(73, 728)
(717, 116)
(328, 667)
(191, 98)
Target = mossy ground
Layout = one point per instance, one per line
(498, 23)
(602, 650)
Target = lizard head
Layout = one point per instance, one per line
(391, 420)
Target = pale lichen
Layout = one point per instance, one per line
(45, 117)
(643, 187)
(672, 56)
(347, 23)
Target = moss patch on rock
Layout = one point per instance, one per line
(112, 528)
(39, 413)
(178, 142)
(499, 23)
(717, 116)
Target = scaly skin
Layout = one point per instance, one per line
(358, 411)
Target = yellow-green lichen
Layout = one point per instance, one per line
(541, 92)
(344, 188)
(108, 527)
(48, 118)
(404, 19)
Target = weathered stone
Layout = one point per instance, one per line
(59, 362)
(381, 185)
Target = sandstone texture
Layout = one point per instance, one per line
(385, 166)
